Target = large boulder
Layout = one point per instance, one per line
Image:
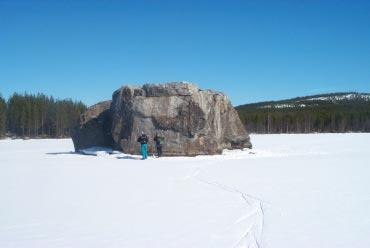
(94, 127)
(192, 121)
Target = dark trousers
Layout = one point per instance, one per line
(159, 151)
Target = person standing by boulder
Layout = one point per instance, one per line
(143, 140)
(159, 141)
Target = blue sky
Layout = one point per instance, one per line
(251, 50)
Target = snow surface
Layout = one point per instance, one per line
(309, 190)
(97, 151)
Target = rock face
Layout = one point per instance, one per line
(192, 121)
(94, 127)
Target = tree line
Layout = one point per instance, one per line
(345, 116)
(38, 115)
(29, 115)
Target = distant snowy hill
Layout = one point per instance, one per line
(341, 97)
(335, 112)
(314, 100)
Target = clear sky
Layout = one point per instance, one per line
(251, 50)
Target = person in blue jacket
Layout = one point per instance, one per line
(143, 140)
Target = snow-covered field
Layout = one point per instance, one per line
(289, 191)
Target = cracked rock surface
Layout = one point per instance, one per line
(192, 121)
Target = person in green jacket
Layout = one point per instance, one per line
(159, 141)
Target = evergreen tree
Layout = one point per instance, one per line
(2, 116)
(41, 116)
(352, 115)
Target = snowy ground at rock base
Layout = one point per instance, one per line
(308, 190)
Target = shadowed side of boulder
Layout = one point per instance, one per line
(94, 127)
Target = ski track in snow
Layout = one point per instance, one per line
(52, 197)
(254, 218)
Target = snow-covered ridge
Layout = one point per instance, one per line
(309, 101)
(351, 96)
(284, 105)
